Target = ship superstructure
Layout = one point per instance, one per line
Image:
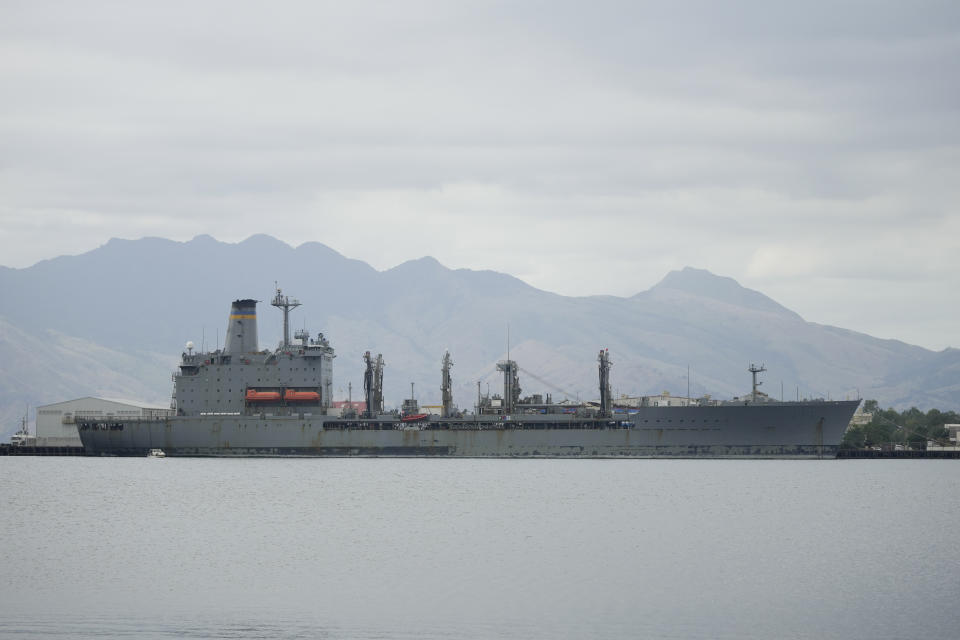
(250, 402)
(297, 377)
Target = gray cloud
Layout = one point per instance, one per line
(809, 150)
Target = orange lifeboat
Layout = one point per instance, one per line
(262, 396)
(301, 396)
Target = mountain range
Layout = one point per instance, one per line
(112, 322)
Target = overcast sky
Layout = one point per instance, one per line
(811, 150)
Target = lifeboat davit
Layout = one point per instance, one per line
(301, 396)
(414, 417)
(262, 396)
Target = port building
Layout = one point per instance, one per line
(56, 423)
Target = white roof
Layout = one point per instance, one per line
(91, 400)
(136, 403)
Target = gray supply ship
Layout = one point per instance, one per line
(241, 401)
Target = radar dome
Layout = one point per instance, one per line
(189, 345)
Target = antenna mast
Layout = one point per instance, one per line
(511, 380)
(511, 384)
(755, 370)
(283, 302)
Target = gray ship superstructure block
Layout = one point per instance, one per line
(295, 379)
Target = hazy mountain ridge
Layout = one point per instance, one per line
(93, 324)
(700, 283)
(48, 366)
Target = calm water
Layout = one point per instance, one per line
(99, 547)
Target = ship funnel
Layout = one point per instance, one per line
(242, 328)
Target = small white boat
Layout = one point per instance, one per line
(22, 437)
(156, 453)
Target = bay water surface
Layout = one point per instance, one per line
(422, 548)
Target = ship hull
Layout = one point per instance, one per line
(782, 430)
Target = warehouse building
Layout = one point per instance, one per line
(56, 426)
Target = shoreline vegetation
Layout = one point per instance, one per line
(892, 430)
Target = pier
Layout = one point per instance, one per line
(18, 450)
(905, 454)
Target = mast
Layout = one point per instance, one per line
(446, 387)
(605, 397)
(755, 370)
(373, 384)
(283, 302)
(368, 376)
(378, 384)
(511, 380)
(511, 384)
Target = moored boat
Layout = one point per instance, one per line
(279, 403)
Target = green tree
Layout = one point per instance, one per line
(889, 426)
(878, 433)
(854, 438)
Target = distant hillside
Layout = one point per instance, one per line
(114, 320)
(44, 365)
